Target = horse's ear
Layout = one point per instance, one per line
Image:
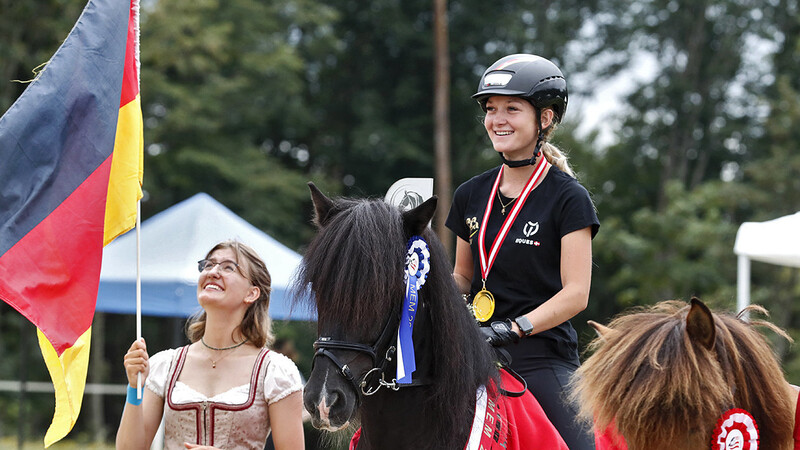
(604, 332)
(415, 220)
(322, 205)
(700, 324)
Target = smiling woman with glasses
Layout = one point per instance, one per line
(226, 266)
(225, 389)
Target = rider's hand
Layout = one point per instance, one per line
(137, 360)
(500, 333)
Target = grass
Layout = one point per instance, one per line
(10, 443)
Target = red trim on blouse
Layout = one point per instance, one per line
(212, 406)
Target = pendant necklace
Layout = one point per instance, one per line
(503, 206)
(219, 349)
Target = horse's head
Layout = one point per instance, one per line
(354, 268)
(667, 373)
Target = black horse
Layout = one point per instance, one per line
(354, 268)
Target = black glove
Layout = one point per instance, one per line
(500, 333)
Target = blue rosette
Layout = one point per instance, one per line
(417, 267)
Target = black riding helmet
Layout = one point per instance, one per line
(531, 77)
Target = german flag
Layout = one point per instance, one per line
(71, 168)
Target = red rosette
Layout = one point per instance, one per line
(735, 430)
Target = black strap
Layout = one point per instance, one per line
(518, 378)
(326, 342)
(504, 361)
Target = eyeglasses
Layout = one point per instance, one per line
(226, 267)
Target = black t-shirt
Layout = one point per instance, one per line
(526, 271)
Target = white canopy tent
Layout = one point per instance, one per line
(775, 241)
(172, 242)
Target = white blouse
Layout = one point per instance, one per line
(281, 379)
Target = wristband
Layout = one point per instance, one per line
(131, 398)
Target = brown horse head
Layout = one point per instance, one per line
(664, 374)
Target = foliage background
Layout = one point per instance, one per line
(248, 100)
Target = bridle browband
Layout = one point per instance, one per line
(365, 385)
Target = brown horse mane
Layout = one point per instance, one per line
(648, 378)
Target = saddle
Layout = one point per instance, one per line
(506, 422)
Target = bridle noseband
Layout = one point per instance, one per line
(365, 385)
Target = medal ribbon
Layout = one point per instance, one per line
(487, 262)
(417, 267)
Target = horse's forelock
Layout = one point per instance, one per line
(354, 265)
(647, 374)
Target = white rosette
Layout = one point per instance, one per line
(418, 259)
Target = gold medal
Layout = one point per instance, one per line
(483, 305)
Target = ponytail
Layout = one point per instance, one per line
(555, 156)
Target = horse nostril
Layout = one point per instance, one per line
(332, 399)
(310, 402)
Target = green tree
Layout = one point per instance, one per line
(773, 175)
(693, 118)
(29, 38)
(376, 91)
(669, 198)
(225, 107)
(374, 96)
(483, 32)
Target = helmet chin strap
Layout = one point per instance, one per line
(539, 142)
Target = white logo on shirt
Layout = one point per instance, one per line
(530, 229)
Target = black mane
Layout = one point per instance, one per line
(355, 269)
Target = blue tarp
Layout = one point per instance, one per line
(171, 244)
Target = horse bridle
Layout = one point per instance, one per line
(365, 385)
(362, 386)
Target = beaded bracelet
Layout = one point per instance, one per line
(131, 398)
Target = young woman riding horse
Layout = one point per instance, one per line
(380, 280)
(681, 377)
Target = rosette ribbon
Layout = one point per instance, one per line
(418, 260)
(735, 430)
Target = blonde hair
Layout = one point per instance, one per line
(256, 324)
(555, 156)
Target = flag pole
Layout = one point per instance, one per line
(138, 289)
